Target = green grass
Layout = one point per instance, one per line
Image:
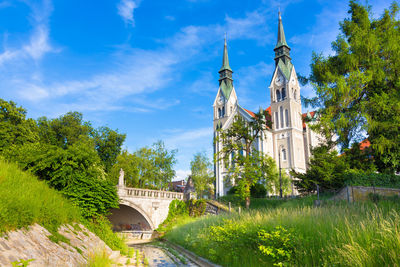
(24, 201)
(99, 259)
(336, 234)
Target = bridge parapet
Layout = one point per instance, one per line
(148, 193)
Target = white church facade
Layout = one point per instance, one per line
(289, 136)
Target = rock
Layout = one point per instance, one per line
(33, 243)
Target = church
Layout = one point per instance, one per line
(290, 138)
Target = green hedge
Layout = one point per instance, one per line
(373, 179)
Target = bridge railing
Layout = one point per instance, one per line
(139, 192)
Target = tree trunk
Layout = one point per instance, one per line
(247, 202)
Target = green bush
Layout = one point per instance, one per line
(258, 191)
(196, 207)
(373, 179)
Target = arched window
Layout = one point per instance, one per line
(284, 154)
(295, 94)
(278, 95)
(281, 110)
(283, 93)
(276, 120)
(287, 117)
(223, 111)
(219, 113)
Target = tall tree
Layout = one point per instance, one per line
(164, 160)
(15, 128)
(358, 88)
(202, 175)
(246, 166)
(108, 144)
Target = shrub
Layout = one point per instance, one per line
(258, 191)
(196, 207)
(373, 179)
(276, 246)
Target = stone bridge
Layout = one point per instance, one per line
(141, 209)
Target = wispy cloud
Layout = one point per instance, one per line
(126, 9)
(248, 81)
(38, 44)
(181, 175)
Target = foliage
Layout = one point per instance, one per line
(108, 145)
(196, 207)
(181, 211)
(164, 160)
(102, 227)
(201, 175)
(21, 263)
(276, 245)
(75, 171)
(258, 191)
(335, 234)
(372, 179)
(100, 259)
(147, 167)
(246, 166)
(66, 152)
(357, 88)
(24, 201)
(326, 169)
(15, 129)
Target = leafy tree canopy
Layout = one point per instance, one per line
(202, 175)
(357, 89)
(246, 166)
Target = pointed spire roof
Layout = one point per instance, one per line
(225, 59)
(281, 34)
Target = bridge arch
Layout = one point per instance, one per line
(130, 214)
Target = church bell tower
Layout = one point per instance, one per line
(286, 108)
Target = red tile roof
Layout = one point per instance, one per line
(365, 144)
(312, 113)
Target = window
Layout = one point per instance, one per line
(287, 117)
(281, 110)
(283, 93)
(276, 120)
(295, 94)
(278, 95)
(284, 154)
(223, 111)
(219, 113)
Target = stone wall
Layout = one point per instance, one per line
(34, 243)
(360, 193)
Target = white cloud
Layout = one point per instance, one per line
(38, 44)
(181, 175)
(170, 18)
(125, 10)
(188, 139)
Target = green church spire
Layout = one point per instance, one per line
(281, 34)
(225, 74)
(282, 50)
(225, 59)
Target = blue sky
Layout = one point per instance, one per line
(149, 68)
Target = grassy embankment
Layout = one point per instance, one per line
(294, 233)
(24, 200)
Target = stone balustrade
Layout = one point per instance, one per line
(148, 193)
